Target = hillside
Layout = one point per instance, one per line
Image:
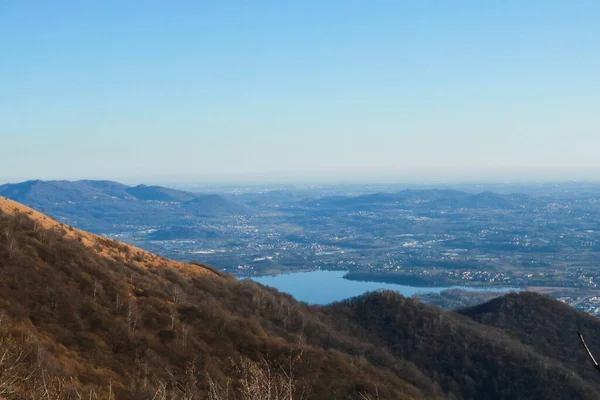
(82, 317)
(106, 248)
(88, 322)
(467, 359)
(548, 326)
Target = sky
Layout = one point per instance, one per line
(284, 91)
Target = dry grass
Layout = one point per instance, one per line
(108, 248)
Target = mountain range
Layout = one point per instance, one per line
(102, 205)
(427, 198)
(82, 316)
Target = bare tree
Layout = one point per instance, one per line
(176, 295)
(185, 336)
(132, 317)
(262, 380)
(172, 315)
(588, 352)
(7, 234)
(118, 303)
(95, 290)
(13, 371)
(21, 379)
(12, 247)
(217, 391)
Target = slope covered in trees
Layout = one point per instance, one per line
(81, 316)
(548, 326)
(89, 323)
(467, 359)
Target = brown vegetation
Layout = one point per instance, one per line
(82, 316)
(102, 325)
(105, 247)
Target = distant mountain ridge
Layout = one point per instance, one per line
(39, 192)
(64, 191)
(430, 198)
(97, 204)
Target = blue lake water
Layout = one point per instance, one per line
(323, 287)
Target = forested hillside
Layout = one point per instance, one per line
(86, 317)
(549, 327)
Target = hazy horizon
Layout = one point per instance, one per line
(342, 91)
(186, 183)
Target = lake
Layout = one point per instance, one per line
(323, 287)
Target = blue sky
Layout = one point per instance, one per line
(225, 91)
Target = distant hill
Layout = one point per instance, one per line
(212, 203)
(430, 199)
(104, 206)
(159, 193)
(44, 193)
(174, 233)
(87, 317)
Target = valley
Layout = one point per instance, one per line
(471, 236)
(84, 316)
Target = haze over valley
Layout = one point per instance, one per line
(542, 237)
